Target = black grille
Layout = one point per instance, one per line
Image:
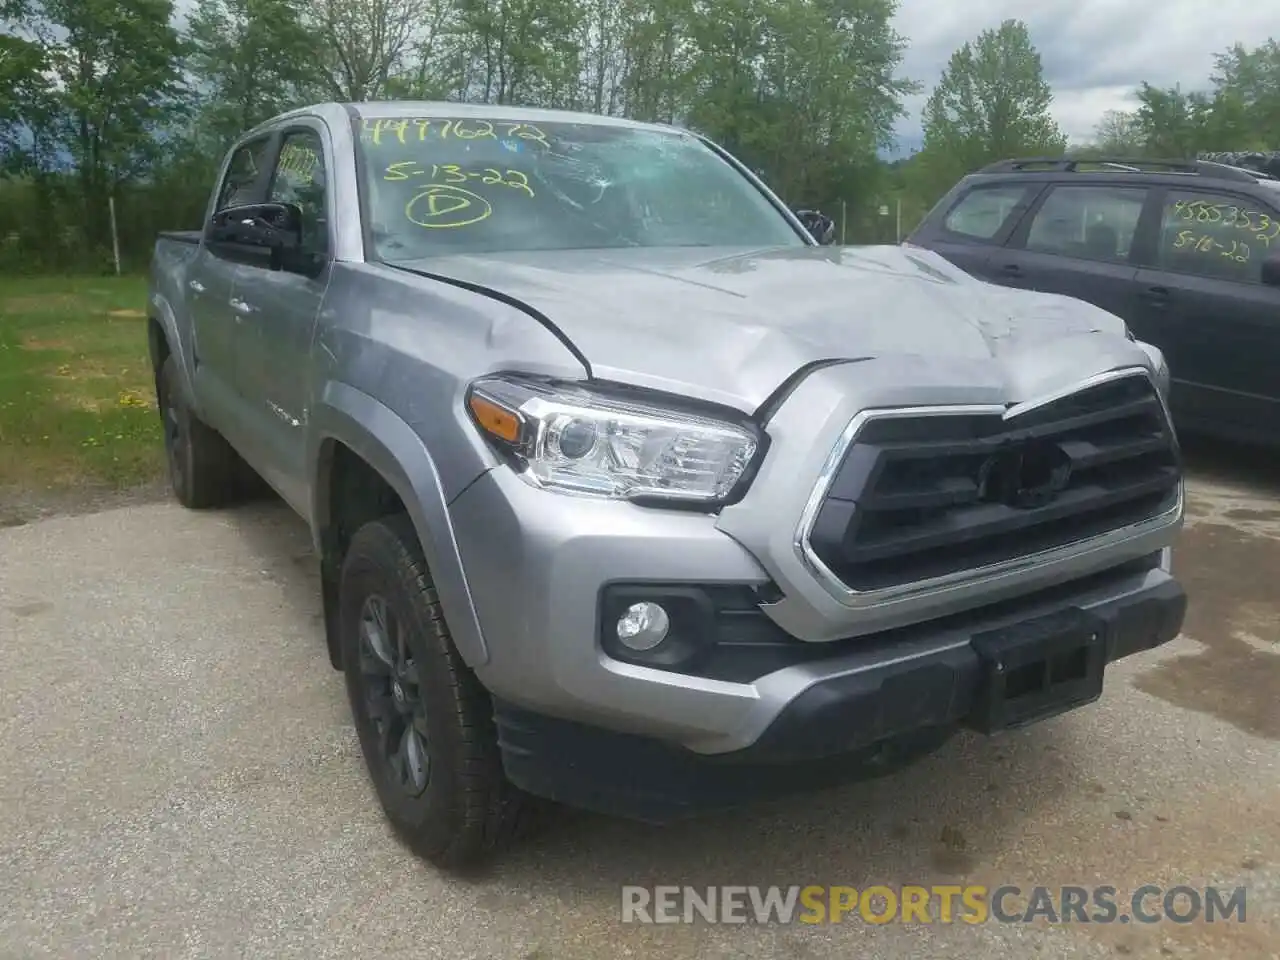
(918, 497)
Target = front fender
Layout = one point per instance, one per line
(393, 448)
(1159, 367)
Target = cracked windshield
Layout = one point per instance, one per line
(469, 185)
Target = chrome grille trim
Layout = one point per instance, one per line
(849, 597)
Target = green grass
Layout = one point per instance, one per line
(77, 402)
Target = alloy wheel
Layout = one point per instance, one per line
(393, 696)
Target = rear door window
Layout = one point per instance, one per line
(300, 178)
(983, 212)
(1088, 222)
(1216, 235)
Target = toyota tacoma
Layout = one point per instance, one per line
(629, 489)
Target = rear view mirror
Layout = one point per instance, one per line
(1271, 270)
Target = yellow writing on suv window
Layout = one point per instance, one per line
(1262, 226)
(1190, 240)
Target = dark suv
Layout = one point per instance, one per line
(1188, 253)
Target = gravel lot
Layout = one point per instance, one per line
(179, 777)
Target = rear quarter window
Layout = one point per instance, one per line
(1216, 235)
(984, 211)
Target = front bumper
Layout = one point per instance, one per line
(895, 699)
(537, 563)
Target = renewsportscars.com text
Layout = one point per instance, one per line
(931, 904)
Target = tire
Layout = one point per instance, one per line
(457, 808)
(204, 470)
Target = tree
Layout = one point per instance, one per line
(828, 96)
(102, 98)
(26, 101)
(519, 51)
(1119, 134)
(251, 60)
(659, 58)
(115, 67)
(991, 103)
(1245, 112)
(1174, 123)
(601, 42)
(363, 44)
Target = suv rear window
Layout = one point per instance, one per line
(983, 211)
(1094, 222)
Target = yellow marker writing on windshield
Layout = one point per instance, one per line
(442, 206)
(403, 128)
(454, 173)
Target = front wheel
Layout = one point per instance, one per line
(424, 722)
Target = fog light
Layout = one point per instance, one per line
(643, 626)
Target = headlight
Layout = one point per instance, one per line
(1159, 367)
(578, 440)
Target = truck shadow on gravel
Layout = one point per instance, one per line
(944, 818)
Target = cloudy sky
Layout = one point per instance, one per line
(1095, 52)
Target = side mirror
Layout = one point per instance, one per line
(1271, 270)
(269, 229)
(819, 225)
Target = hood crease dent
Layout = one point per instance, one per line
(731, 326)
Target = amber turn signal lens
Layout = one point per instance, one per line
(495, 419)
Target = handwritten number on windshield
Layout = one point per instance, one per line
(519, 181)
(452, 173)
(452, 129)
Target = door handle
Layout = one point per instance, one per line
(242, 308)
(1011, 269)
(196, 286)
(1156, 296)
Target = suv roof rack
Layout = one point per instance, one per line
(1203, 168)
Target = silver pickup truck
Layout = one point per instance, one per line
(630, 491)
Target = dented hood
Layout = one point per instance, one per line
(731, 327)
